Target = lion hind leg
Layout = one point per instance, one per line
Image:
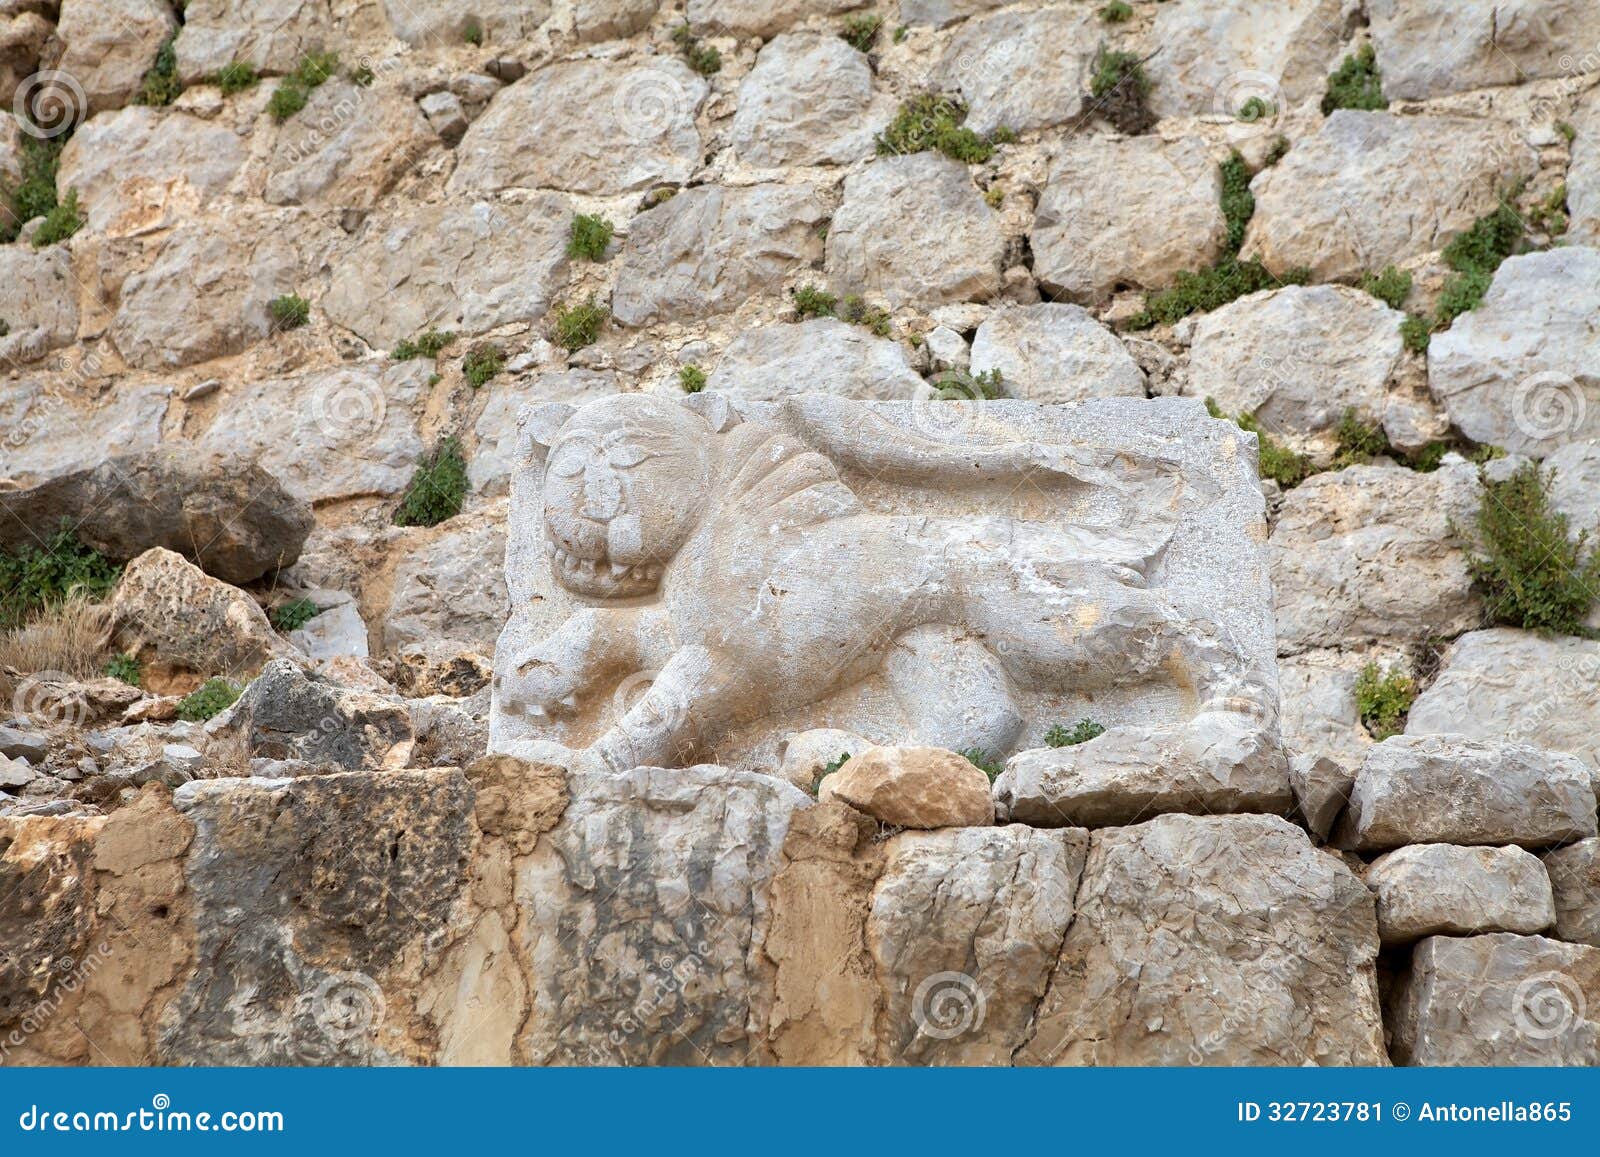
(954, 691)
(685, 707)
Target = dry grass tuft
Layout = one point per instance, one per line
(73, 637)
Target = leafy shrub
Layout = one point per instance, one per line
(813, 301)
(1416, 332)
(287, 99)
(591, 234)
(579, 325)
(1359, 441)
(1391, 287)
(861, 32)
(60, 222)
(1383, 698)
(828, 769)
(1568, 133)
(1275, 461)
(1475, 255)
(983, 761)
(1429, 458)
(483, 362)
(291, 311)
(125, 668)
(1116, 12)
(856, 311)
(294, 614)
(294, 90)
(473, 34)
(1257, 109)
(1228, 280)
(1533, 574)
(161, 85)
(692, 379)
(235, 77)
(426, 345)
(701, 57)
(659, 197)
(1238, 203)
(1120, 91)
(1080, 732)
(930, 120)
(34, 194)
(901, 33)
(34, 578)
(1357, 84)
(961, 386)
(436, 489)
(211, 698)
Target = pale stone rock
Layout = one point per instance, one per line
(1135, 211)
(10, 148)
(807, 754)
(446, 115)
(822, 355)
(347, 147)
(458, 264)
(808, 101)
(38, 302)
(964, 930)
(1449, 789)
(429, 23)
(496, 428)
(1575, 875)
(24, 36)
(1023, 71)
(1499, 999)
(1370, 552)
(636, 129)
(327, 434)
(336, 631)
(1298, 357)
(47, 435)
(1522, 371)
(1321, 789)
(941, 12)
(711, 248)
(1505, 684)
(1318, 693)
(913, 787)
(947, 349)
(758, 17)
(1575, 483)
(1431, 48)
(1054, 352)
(451, 588)
(1445, 890)
(1370, 189)
(289, 714)
(1583, 173)
(1219, 940)
(1217, 54)
(109, 44)
(606, 19)
(269, 35)
(914, 230)
(1411, 423)
(144, 169)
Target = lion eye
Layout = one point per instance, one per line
(568, 461)
(625, 455)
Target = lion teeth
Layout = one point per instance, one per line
(618, 569)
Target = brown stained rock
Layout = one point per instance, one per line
(46, 912)
(290, 714)
(913, 787)
(517, 799)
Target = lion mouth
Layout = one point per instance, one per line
(589, 576)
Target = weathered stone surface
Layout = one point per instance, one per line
(336, 631)
(1583, 173)
(606, 19)
(964, 930)
(1217, 54)
(269, 35)
(1575, 876)
(330, 433)
(451, 588)
(1575, 483)
(1136, 211)
(1504, 684)
(108, 45)
(824, 355)
(1317, 690)
(914, 230)
(232, 518)
(347, 147)
(1219, 763)
(1370, 189)
(805, 756)
(1368, 552)
(1430, 48)
(516, 800)
(1023, 71)
(913, 787)
(939, 12)
(1298, 358)
(637, 129)
(47, 435)
(1499, 999)
(1222, 940)
(46, 909)
(24, 34)
(288, 714)
(649, 903)
(1449, 789)
(808, 101)
(458, 264)
(305, 910)
(710, 248)
(38, 302)
(758, 17)
(171, 615)
(1445, 890)
(144, 169)
(10, 149)
(1054, 352)
(492, 462)
(1321, 789)
(1522, 371)
(426, 23)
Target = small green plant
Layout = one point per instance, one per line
(994, 196)
(1568, 133)
(1116, 12)
(1383, 698)
(290, 311)
(1279, 150)
(1473, 257)
(294, 90)
(34, 194)
(855, 310)
(591, 234)
(1549, 213)
(294, 614)
(701, 57)
(211, 698)
(813, 301)
(579, 325)
(1228, 280)
(33, 578)
(828, 769)
(1080, 732)
(1391, 287)
(1120, 91)
(483, 362)
(362, 76)
(961, 386)
(5, 327)
(287, 99)
(983, 761)
(1430, 457)
(161, 85)
(692, 379)
(235, 77)
(1416, 332)
(659, 197)
(125, 668)
(1257, 109)
(429, 344)
(473, 34)
(1274, 460)
(436, 490)
(901, 33)
(1237, 202)
(930, 120)
(61, 222)
(1357, 84)
(861, 32)
(1533, 572)
(1359, 441)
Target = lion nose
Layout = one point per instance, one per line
(602, 493)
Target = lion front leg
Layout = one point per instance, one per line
(595, 642)
(685, 708)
